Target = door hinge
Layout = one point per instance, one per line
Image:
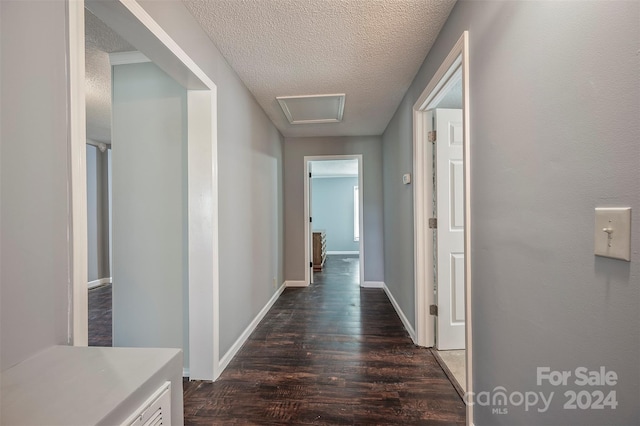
(310, 264)
(433, 223)
(432, 135)
(433, 310)
(310, 219)
(309, 174)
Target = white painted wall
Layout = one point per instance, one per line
(295, 151)
(150, 280)
(555, 101)
(34, 212)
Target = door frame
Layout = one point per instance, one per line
(307, 231)
(133, 22)
(457, 59)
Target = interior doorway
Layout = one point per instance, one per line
(133, 24)
(333, 208)
(99, 239)
(442, 218)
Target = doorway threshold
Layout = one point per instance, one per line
(453, 365)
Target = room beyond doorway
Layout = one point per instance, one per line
(333, 199)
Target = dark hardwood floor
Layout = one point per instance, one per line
(100, 303)
(332, 353)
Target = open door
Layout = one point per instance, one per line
(449, 189)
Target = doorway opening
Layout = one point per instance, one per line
(99, 236)
(442, 218)
(199, 201)
(334, 242)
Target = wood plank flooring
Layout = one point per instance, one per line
(332, 353)
(100, 320)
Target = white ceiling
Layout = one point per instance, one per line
(368, 49)
(334, 168)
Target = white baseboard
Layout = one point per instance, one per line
(224, 360)
(403, 317)
(185, 372)
(296, 284)
(99, 282)
(373, 284)
(342, 252)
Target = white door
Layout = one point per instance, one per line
(449, 190)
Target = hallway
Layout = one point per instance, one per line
(331, 353)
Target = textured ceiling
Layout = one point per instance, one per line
(100, 40)
(368, 49)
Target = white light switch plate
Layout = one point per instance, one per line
(612, 234)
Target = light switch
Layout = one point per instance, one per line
(612, 234)
(406, 178)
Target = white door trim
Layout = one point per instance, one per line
(78, 333)
(423, 195)
(307, 242)
(204, 362)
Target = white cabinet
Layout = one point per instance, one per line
(86, 386)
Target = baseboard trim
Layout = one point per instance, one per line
(99, 282)
(296, 284)
(185, 372)
(342, 252)
(373, 284)
(403, 317)
(226, 359)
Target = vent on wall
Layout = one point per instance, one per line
(312, 109)
(156, 411)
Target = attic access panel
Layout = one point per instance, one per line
(312, 109)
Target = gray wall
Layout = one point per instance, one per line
(333, 209)
(97, 214)
(93, 245)
(555, 101)
(295, 149)
(34, 168)
(149, 141)
(250, 181)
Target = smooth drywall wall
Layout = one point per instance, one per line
(295, 149)
(149, 141)
(34, 172)
(333, 211)
(555, 101)
(93, 247)
(250, 181)
(97, 214)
